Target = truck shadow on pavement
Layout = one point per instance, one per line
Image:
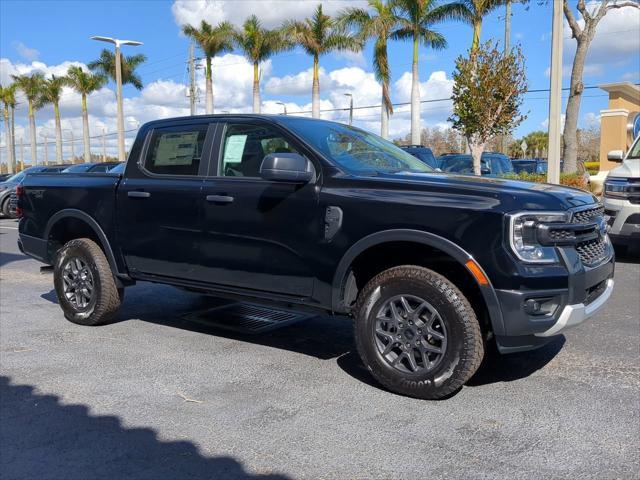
(322, 337)
(41, 438)
(7, 258)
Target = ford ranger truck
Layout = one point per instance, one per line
(621, 198)
(306, 215)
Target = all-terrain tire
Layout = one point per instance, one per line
(464, 349)
(105, 298)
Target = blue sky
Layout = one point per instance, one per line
(58, 32)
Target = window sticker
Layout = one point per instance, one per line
(176, 149)
(234, 148)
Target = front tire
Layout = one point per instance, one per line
(84, 283)
(417, 333)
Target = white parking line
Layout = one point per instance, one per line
(10, 228)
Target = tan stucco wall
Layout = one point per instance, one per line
(624, 98)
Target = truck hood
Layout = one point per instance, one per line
(629, 169)
(511, 194)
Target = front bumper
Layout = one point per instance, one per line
(573, 315)
(588, 289)
(623, 218)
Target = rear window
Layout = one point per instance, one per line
(176, 151)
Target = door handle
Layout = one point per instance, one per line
(138, 194)
(219, 199)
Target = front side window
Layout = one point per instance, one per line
(176, 151)
(354, 149)
(245, 146)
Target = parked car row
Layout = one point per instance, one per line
(8, 185)
(492, 163)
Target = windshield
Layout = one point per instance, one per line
(635, 150)
(426, 156)
(118, 168)
(356, 150)
(457, 164)
(77, 168)
(17, 177)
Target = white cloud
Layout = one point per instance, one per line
(545, 123)
(591, 119)
(26, 52)
(270, 12)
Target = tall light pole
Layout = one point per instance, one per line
(284, 105)
(350, 107)
(118, 43)
(555, 95)
(104, 145)
(73, 149)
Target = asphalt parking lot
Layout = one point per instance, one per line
(154, 396)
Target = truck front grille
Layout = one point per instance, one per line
(589, 215)
(592, 252)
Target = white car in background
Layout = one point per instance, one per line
(621, 198)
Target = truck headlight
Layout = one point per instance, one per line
(623, 188)
(523, 237)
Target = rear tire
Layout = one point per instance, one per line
(84, 283)
(417, 333)
(4, 209)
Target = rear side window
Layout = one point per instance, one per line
(176, 151)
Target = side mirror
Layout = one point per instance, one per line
(287, 167)
(615, 156)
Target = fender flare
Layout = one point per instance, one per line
(95, 226)
(416, 236)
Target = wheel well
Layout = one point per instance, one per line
(381, 257)
(70, 228)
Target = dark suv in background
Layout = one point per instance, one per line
(493, 164)
(424, 154)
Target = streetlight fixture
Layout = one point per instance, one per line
(118, 43)
(46, 150)
(350, 107)
(284, 106)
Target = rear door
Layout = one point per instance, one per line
(258, 234)
(159, 201)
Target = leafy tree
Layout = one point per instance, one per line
(378, 24)
(487, 95)
(85, 83)
(318, 36)
(31, 86)
(8, 99)
(50, 93)
(416, 21)
(258, 45)
(213, 41)
(583, 32)
(106, 65)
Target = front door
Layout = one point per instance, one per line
(258, 234)
(160, 204)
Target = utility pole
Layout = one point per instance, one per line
(21, 153)
(192, 80)
(73, 148)
(284, 106)
(46, 149)
(350, 107)
(104, 145)
(507, 41)
(555, 95)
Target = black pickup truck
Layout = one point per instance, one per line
(299, 214)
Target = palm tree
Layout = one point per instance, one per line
(8, 98)
(85, 83)
(317, 36)
(50, 93)
(379, 24)
(106, 65)
(259, 44)
(213, 41)
(416, 20)
(473, 12)
(31, 86)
